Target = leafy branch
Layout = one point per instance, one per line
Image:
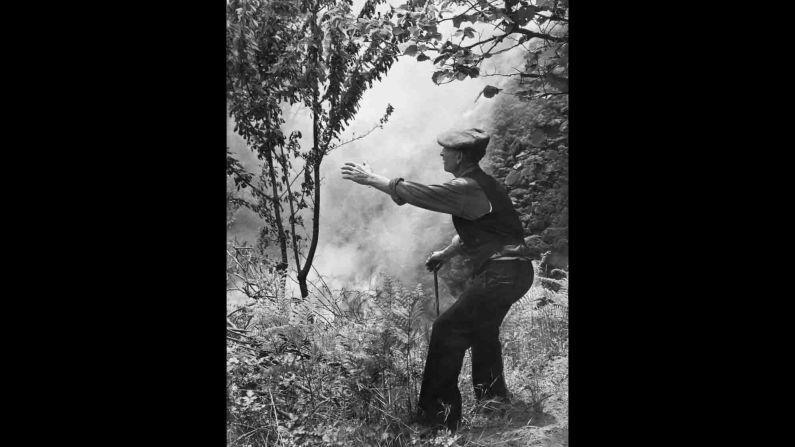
(314, 52)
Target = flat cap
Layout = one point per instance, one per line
(465, 140)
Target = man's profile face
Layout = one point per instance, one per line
(449, 159)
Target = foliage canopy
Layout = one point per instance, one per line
(314, 52)
(480, 30)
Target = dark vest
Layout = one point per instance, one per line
(488, 235)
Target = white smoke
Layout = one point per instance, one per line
(362, 231)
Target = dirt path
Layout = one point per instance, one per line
(522, 425)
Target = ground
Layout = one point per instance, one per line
(521, 424)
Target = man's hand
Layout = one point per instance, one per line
(359, 173)
(435, 260)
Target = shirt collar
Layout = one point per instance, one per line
(469, 171)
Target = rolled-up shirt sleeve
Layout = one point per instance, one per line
(460, 197)
(395, 197)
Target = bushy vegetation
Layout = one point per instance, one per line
(343, 368)
(529, 153)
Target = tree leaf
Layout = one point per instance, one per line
(440, 76)
(422, 57)
(457, 20)
(408, 48)
(440, 58)
(431, 29)
(523, 15)
(489, 91)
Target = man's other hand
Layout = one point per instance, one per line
(435, 261)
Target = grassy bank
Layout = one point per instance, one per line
(344, 369)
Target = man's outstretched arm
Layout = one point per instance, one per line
(458, 197)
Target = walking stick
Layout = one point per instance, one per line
(434, 267)
(436, 289)
(436, 285)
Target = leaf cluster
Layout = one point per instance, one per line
(315, 53)
(540, 27)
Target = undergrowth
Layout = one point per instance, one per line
(344, 368)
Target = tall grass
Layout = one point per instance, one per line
(346, 370)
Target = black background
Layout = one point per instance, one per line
(140, 300)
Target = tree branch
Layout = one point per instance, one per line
(513, 30)
(555, 93)
(292, 181)
(257, 190)
(554, 18)
(539, 35)
(292, 217)
(337, 146)
(505, 49)
(455, 16)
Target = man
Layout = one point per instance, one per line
(490, 234)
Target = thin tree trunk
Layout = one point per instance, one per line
(290, 200)
(316, 158)
(282, 267)
(293, 316)
(315, 161)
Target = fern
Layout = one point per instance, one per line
(359, 363)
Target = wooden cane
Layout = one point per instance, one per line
(436, 288)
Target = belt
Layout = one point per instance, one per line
(499, 259)
(508, 258)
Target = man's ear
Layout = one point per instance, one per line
(459, 157)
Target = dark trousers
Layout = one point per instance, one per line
(472, 322)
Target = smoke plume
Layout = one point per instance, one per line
(362, 231)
